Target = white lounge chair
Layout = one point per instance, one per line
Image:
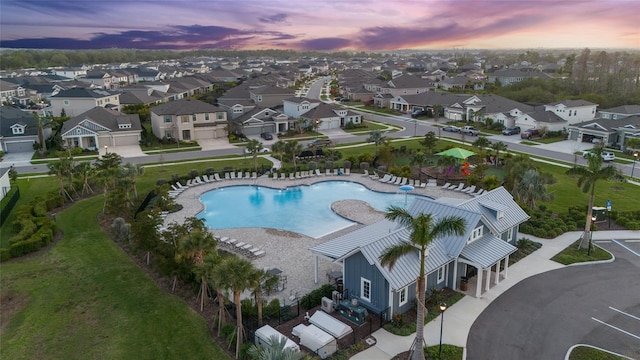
(217, 177)
(479, 192)
(227, 176)
(318, 172)
(457, 188)
(254, 175)
(275, 176)
(374, 176)
(327, 172)
(239, 176)
(404, 181)
(347, 171)
(398, 180)
(292, 176)
(446, 186)
(365, 173)
(283, 176)
(471, 189)
(247, 175)
(385, 178)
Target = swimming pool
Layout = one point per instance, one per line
(304, 209)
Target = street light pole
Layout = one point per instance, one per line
(106, 149)
(443, 307)
(317, 128)
(593, 220)
(635, 158)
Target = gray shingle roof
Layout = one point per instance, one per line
(80, 92)
(10, 116)
(186, 106)
(106, 118)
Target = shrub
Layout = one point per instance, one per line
(364, 166)
(314, 298)
(5, 254)
(347, 164)
(194, 173)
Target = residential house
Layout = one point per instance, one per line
(573, 111)
(492, 222)
(259, 120)
(296, 106)
(71, 73)
(11, 92)
(513, 76)
(77, 100)
(270, 96)
(100, 78)
(610, 132)
(540, 118)
(100, 127)
(188, 119)
(619, 112)
(5, 182)
(330, 117)
(18, 130)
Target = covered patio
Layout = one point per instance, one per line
(486, 255)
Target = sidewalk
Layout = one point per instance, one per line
(460, 317)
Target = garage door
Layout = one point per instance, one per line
(126, 140)
(24, 146)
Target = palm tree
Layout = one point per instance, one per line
(437, 109)
(424, 229)
(587, 178)
(237, 275)
(280, 148)
(42, 123)
(253, 147)
(499, 146)
(132, 171)
(418, 159)
(58, 168)
(276, 350)
(446, 162)
(293, 148)
(84, 170)
(377, 138)
(194, 246)
(531, 189)
(632, 143)
(262, 282)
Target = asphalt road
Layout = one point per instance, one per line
(411, 128)
(543, 316)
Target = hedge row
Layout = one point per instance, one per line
(34, 228)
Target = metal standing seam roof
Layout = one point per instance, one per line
(343, 245)
(487, 250)
(406, 269)
(513, 214)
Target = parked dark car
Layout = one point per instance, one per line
(530, 133)
(267, 136)
(512, 130)
(451, 128)
(320, 143)
(419, 112)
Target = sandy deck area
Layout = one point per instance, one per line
(289, 251)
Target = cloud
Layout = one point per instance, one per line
(331, 43)
(276, 18)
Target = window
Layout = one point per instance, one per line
(509, 234)
(167, 119)
(220, 116)
(206, 116)
(17, 130)
(193, 117)
(66, 102)
(237, 110)
(477, 233)
(167, 134)
(185, 119)
(402, 296)
(365, 289)
(440, 274)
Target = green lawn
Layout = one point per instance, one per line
(572, 254)
(589, 353)
(85, 299)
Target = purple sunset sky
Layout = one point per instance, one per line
(319, 25)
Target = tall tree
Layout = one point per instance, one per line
(262, 281)
(238, 275)
(280, 148)
(429, 142)
(437, 111)
(84, 170)
(194, 246)
(42, 123)
(59, 169)
(253, 147)
(587, 178)
(377, 138)
(293, 149)
(531, 189)
(424, 229)
(499, 146)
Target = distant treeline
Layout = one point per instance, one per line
(42, 59)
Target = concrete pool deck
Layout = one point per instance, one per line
(289, 251)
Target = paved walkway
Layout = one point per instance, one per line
(459, 317)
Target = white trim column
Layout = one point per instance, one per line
(497, 278)
(488, 279)
(479, 283)
(506, 267)
(455, 275)
(315, 268)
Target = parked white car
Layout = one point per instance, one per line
(606, 155)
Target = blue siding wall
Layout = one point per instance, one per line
(355, 267)
(411, 297)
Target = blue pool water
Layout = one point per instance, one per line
(302, 209)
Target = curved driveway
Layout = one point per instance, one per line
(543, 316)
